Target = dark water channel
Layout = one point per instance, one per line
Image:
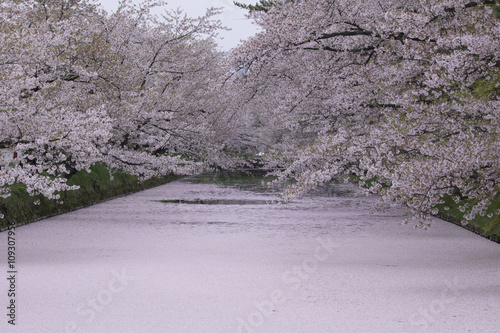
(255, 181)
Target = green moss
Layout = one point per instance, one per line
(95, 187)
(496, 12)
(486, 226)
(492, 227)
(99, 174)
(487, 88)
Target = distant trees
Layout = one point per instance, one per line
(80, 86)
(401, 94)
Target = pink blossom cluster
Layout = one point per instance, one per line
(402, 96)
(131, 89)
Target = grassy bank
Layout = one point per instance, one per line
(96, 186)
(485, 226)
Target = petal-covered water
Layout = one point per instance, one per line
(199, 255)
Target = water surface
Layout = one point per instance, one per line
(214, 256)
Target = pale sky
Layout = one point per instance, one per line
(233, 17)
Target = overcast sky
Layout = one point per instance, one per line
(233, 17)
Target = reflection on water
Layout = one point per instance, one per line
(217, 202)
(247, 180)
(256, 181)
(334, 189)
(244, 201)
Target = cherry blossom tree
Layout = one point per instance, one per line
(131, 89)
(401, 94)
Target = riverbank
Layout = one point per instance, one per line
(21, 208)
(488, 227)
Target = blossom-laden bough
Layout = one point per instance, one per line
(131, 89)
(402, 96)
